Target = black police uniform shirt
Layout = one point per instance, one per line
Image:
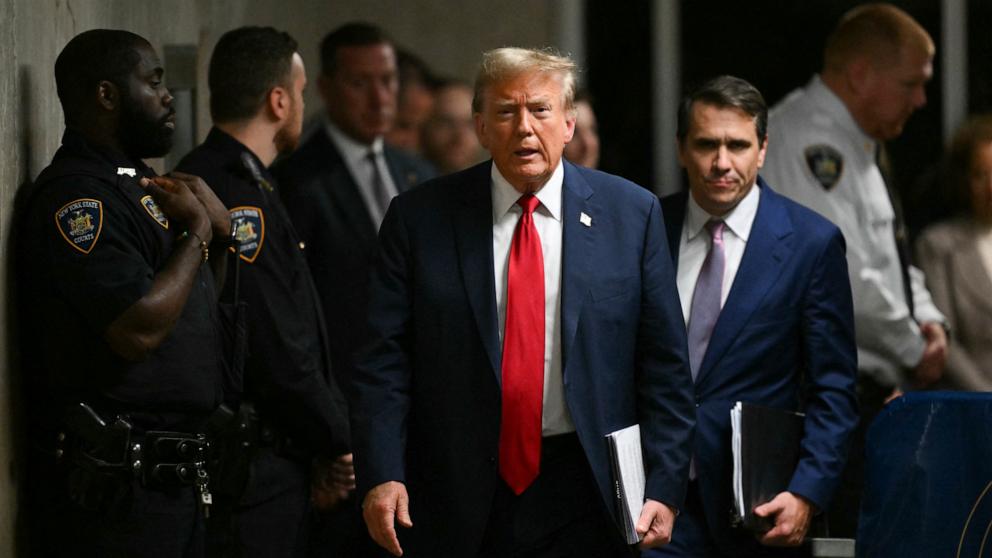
(91, 244)
(287, 372)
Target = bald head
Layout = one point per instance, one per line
(877, 33)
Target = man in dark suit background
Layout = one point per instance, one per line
(336, 188)
(521, 310)
(338, 184)
(767, 303)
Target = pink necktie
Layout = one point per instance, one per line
(705, 307)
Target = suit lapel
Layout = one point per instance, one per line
(474, 239)
(577, 251)
(344, 195)
(403, 177)
(766, 251)
(673, 209)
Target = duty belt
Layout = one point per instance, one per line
(158, 459)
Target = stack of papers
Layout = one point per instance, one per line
(735, 441)
(628, 477)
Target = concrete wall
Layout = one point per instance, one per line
(448, 34)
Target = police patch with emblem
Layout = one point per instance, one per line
(152, 208)
(80, 223)
(826, 164)
(249, 231)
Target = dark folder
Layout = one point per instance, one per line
(766, 451)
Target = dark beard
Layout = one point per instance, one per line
(286, 140)
(142, 136)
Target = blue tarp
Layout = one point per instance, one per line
(928, 478)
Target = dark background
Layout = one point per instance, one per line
(777, 46)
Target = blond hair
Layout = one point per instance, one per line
(878, 32)
(509, 62)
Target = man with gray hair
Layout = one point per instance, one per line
(522, 310)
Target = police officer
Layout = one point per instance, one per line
(123, 348)
(256, 80)
(827, 156)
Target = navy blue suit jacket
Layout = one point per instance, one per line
(426, 406)
(785, 339)
(330, 216)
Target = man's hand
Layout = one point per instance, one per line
(931, 366)
(220, 219)
(792, 516)
(655, 524)
(333, 480)
(179, 203)
(385, 504)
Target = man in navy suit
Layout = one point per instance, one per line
(336, 188)
(767, 303)
(521, 310)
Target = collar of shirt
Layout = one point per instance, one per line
(353, 152)
(739, 219)
(74, 140)
(228, 145)
(825, 99)
(505, 195)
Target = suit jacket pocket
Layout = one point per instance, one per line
(609, 289)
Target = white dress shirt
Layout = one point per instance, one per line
(548, 222)
(355, 155)
(695, 244)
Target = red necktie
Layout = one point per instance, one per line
(523, 355)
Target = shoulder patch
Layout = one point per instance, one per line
(80, 223)
(249, 227)
(152, 208)
(826, 164)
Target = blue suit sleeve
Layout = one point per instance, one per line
(381, 384)
(830, 362)
(665, 392)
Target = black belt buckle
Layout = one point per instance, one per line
(173, 458)
(176, 446)
(177, 459)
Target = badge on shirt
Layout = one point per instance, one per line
(826, 164)
(80, 222)
(249, 231)
(152, 208)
